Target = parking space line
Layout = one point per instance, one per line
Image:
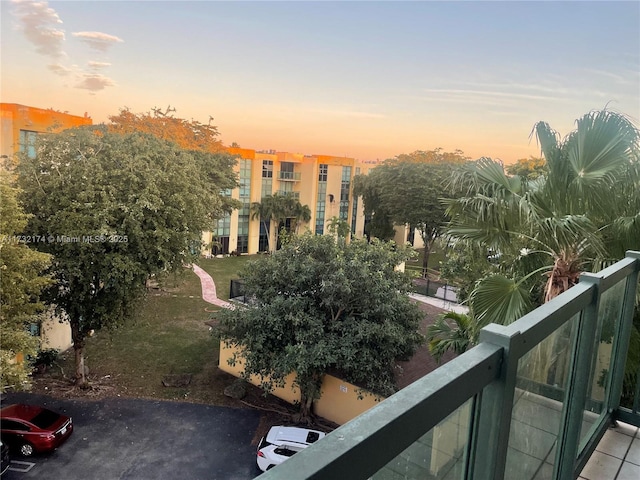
(26, 466)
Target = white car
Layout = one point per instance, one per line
(283, 442)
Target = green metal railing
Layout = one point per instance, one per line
(530, 401)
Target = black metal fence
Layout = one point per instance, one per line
(433, 288)
(236, 291)
(422, 286)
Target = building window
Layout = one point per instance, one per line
(354, 210)
(321, 201)
(245, 178)
(34, 329)
(322, 173)
(244, 215)
(267, 187)
(27, 141)
(267, 169)
(345, 186)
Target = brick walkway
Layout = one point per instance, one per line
(209, 288)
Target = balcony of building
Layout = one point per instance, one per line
(287, 176)
(542, 398)
(292, 194)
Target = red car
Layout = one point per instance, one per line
(28, 428)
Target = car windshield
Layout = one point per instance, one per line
(45, 419)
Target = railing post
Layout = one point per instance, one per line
(492, 411)
(577, 385)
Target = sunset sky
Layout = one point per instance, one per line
(368, 80)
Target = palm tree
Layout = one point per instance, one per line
(265, 211)
(563, 222)
(301, 214)
(276, 209)
(443, 337)
(582, 214)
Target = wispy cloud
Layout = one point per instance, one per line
(38, 22)
(98, 65)
(95, 82)
(59, 69)
(487, 93)
(97, 40)
(346, 113)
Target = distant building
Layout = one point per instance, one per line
(21, 124)
(324, 183)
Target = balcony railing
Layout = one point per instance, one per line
(288, 176)
(295, 195)
(530, 401)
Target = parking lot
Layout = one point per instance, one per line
(118, 439)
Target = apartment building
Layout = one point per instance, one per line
(322, 182)
(20, 125)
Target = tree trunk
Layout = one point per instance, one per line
(425, 259)
(306, 408)
(81, 379)
(266, 229)
(78, 338)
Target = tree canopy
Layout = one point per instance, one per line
(319, 304)
(116, 209)
(187, 134)
(22, 279)
(408, 190)
(528, 168)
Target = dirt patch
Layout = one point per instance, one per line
(274, 411)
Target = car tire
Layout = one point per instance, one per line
(26, 449)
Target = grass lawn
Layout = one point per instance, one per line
(168, 335)
(223, 270)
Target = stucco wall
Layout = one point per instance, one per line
(53, 333)
(339, 401)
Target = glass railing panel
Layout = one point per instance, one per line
(630, 398)
(609, 313)
(440, 454)
(537, 407)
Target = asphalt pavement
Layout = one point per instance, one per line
(135, 439)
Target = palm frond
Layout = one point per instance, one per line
(498, 299)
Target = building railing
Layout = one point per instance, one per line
(289, 176)
(530, 401)
(295, 195)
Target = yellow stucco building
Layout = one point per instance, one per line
(324, 183)
(20, 125)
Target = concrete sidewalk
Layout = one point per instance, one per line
(209, 288)
(437, 302)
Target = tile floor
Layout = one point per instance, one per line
(617, 456)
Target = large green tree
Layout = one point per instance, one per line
(319, 304)
(117, 209)
(409, 189)
(22, 279)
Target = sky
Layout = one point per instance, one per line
(369, 80)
